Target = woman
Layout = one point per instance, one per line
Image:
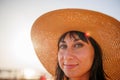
(79, 58)
(104, 29)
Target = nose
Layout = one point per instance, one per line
(68, 54)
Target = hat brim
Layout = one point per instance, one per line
(104, 29)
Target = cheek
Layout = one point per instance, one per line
(60, 59)
(91, 54)
(86, 56)
(88, 51)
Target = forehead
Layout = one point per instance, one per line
(71, 37)
(74, 36)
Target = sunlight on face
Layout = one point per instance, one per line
(75, 57)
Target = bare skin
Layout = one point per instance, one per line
(75, 58)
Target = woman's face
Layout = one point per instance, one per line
(75, 57)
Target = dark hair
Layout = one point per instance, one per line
(96, 72)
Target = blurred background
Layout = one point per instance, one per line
(17, 56)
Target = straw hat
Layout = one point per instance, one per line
(104, 29)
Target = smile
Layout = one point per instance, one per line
(70, 66)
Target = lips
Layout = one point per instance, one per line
(70, 66)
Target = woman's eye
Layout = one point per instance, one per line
(78, 45)
(62, 46)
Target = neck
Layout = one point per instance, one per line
(79, 79)
(84, 77)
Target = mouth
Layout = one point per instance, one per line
(70, 66)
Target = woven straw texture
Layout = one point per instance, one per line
(47, 29)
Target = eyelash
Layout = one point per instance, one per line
(77, 45)
(63, 46)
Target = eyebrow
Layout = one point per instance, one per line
(77, 39)
(62, 41)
